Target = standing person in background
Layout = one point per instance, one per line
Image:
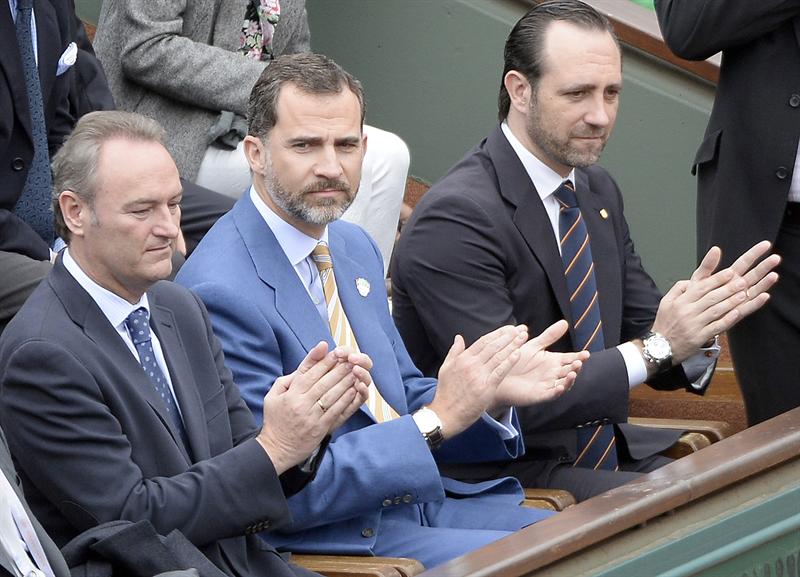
(190, 64)
(748, 172)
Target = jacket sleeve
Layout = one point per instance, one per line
(698, 29)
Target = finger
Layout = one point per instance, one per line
(502, 353)
(750, 257)
(708, 265)
(360, 360)
(328, 381)
(677, 290)
(503, 367)
(751, 306)
(315, 355)
(762, 269)
(362, 375)
(332, 396)
(491, 342)
(551, 334)
(763, 285)
(456, 349)
(342, 410)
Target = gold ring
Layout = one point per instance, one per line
(321, 406)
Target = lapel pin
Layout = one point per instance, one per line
(362, 286)
(604, 213)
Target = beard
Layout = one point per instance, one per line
(295, 204)
(562, 149)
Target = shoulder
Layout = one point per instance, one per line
(601, 183)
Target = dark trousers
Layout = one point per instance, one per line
(766, 345)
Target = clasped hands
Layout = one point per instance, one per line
(709, 303)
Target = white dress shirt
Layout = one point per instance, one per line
(546, 181)
(116, 310)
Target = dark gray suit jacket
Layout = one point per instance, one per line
(745, 163)
(479, 252)
(95, 445)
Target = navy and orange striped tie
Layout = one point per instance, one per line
(596, 445)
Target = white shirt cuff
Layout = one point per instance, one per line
(504, 425)
(634, 363)
(698, 367)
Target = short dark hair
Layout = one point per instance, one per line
(75, 164)
(523, 51)
(311, 73)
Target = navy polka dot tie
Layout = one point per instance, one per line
(138, 323)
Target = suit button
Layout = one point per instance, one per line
(368, 533)
(397, 500)
(387, 503)
(407, 498)
(794, 100)
(782, 172)
(17, 164)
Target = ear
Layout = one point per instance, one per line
(255, 150)
(363, 143)
(76, 213)
(519, 90)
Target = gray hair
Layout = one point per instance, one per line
(311, 73)
(523, 50)
(75, 164)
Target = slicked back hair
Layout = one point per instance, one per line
(525, 44)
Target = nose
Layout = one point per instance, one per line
(328, 165)
(600, 112)
(168, 222)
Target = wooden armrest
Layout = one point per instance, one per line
(698, 435)
(552, 499)
(357, 566)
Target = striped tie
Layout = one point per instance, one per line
(340, 328)
(596, 445)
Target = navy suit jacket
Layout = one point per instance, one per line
(479, 252)
(93, 441)
(54, 27)
(267, 324)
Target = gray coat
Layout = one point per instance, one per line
(176, 61)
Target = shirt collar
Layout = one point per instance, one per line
(544, 178)
(114, 307)
(295, 244)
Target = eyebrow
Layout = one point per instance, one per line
(316, 140)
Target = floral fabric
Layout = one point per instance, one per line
(260, 20)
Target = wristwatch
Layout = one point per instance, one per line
(656, 351)
(430, 426)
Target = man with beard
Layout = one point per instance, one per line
(281, 270)
(527, 229)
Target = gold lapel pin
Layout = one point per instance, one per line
(604, 213)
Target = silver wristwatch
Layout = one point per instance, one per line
(657, 351)
(430, 426)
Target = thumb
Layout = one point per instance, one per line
(551, 334)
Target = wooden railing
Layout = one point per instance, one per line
(727, 470)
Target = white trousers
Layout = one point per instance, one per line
(380, 194)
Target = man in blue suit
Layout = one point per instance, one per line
(264, 272)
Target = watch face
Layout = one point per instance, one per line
(658, 348)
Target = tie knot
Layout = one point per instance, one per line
(322, 257)
(24, 5)
(565, 195)
(138, 323)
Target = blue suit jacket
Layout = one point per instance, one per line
(267, 323)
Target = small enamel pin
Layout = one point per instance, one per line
(362, 286)
(604, 213)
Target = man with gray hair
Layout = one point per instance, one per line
(115, 396)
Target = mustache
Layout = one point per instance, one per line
(327, 184)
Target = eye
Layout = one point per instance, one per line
(141, 213)
(174, 207)
(301, 146)
(348, 146)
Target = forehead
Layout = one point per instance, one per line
(131, 169)
(302, 112)
(575, 54)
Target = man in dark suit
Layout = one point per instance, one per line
(504, 238)
(748, 184)
(24, 251)
(115, 397)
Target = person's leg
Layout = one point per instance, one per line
(225, 171)
(431, 546)
(764, 345)
(200, 209)
(380, 194)
(645, 465)
(19, 276)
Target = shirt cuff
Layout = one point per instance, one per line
(504, 424)
(700, 366)
(634, 363)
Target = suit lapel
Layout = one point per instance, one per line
(361, 316)
(273, 268)
(11, 63)
(180, 372)
(85, 313)
(604, 254)
(530, 216)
